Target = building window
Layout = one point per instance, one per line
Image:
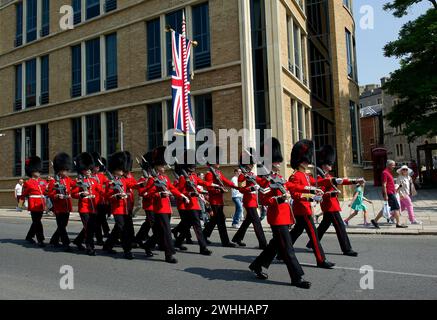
(154, 121)
(44, 98)
(77, 9)
(153, 49)
(30, 140)
(203, 113)
(17, 154)
(170, 118)
(297, 51)
(92, 48)
(351, 56)
(45, 18)
(202, 54)
(110, 5)
(112, 132)
(92, 8)
(348, 5)
(31, 83)
(93, 137)
(300, 121)
(45, 148)
(19, 24)
(174, 20)
(76, 68)
(354, 131)
(111, 61)
(76, 126)
(18, 87)
(31, 18)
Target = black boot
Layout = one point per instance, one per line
(350, 253)
(326, 265)
(149, 253)
(79, 245)
(205, 252)
(128, 255)
(259, 272)
(301, 284)
(171, 259)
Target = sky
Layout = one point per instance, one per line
(372, 64)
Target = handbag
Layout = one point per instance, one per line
(413, 191)
(386, 210)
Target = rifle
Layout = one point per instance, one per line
(190, 183)
(116, 184)
(59, 187)
(217, 178)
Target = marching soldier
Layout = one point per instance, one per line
(280, 217)
(216, 200)
(249, 185)
(132, 184)
(116, 189)
(330, 206)
(159, 189)
(87, 190)
(59, 191)
(102, 227)
(35, 190)
(301, 158)
(191, 211)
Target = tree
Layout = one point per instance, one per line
(415, 82)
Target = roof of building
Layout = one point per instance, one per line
(371, 111)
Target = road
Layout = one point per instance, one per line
(405, 267)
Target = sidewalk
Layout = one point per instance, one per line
(425, 206)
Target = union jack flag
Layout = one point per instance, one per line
(180, 83)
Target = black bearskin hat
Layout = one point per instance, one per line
(271, 150)
(129, 162)
(33, 164)
(62, 161)
(84, 161)
(117, 161)
(246, 158)
(149, 161)
(326, 155)
(302, 152)
(158, 156)
(96, 158)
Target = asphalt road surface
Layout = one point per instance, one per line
(404, 267)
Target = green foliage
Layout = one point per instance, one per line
(415, 83)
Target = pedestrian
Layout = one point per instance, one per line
(357, 204)
(59, 191)
(280, 218)
(301, 158)
(35, 190)
(87, 191)
(330, 205)
(216, 199)
(406, 191)
(17, 193)
(389, 193)
(249, 185)
(237, 198)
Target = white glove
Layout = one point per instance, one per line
(339, 181)
(318, 198)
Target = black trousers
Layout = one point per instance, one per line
(129, 222)
(61, 231)
(179, 229)
(143, 233)
(218, 219)
(307, 222)
(191, 218)
(36, 228)
(161, 234)
(335, 219)
(120, 230)
(87, 233)
(102, 227)
(281, 243)
(252, 217)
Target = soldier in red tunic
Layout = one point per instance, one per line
(301, 158)
(35, 190)
(249, 185)
(88, 191)
(330, 206)
(59, 191)
(280, 217)
(132, 184)
(216, 200)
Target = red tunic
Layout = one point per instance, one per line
(302, 207)
(161, 205)
(330, 201)
(101, 179)
(88, 204)
(186, 190)
(216, 194)
(35, 190)
(119, 206)
(132, 184)
(61, 205)
(142, 192)
(249, 197)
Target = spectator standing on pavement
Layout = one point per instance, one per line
(389, 193)
(357, 204)
(17, 192)
(406, 191)
(237, 198)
